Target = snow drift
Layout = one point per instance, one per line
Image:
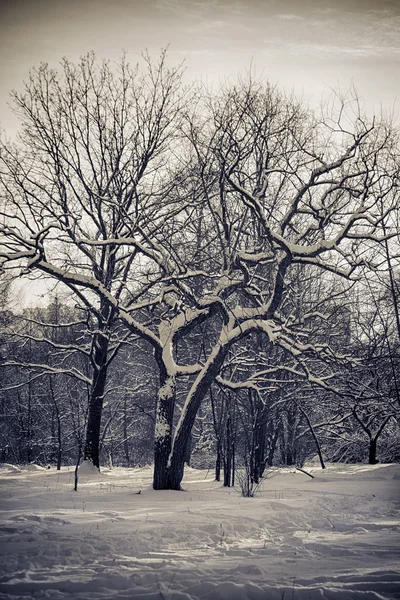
(336, 536)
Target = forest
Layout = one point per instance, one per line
(222, 274)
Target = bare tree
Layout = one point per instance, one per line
(89, 167)
(45, 372)
(185, 220)
(310, 188)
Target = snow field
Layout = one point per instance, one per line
(336, 536)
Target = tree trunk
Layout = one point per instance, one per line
(259, 447)
(163, 432)
(372, 451)
(59, 442)
(125, 434)
(274, 440)
(315, 438)
(227, 470)
(228, 454)
(218, 462)
(218, 434)
(233, 466)
(58, 419)
(199, 389)
(96, 399)
(29, 426)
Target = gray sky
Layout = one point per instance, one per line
(308, 45)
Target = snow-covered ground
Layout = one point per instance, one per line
(335, 536)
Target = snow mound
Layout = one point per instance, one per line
(88, 468)
(10, 468)
(32, 467)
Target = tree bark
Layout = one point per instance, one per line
(314, 436)
(125, 434)
(271, 451)
(233, 466)
(58, 420)
(218, 462)
(228, 454)
(372, 451)
(199, 389)
(163, 431)
(259, 445)
(96, 400)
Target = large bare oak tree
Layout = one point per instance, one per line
(182, 214)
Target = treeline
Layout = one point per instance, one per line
(277, 419)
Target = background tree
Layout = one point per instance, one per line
(45, 382)
(90, 155)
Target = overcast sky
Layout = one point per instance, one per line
(308, 45)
